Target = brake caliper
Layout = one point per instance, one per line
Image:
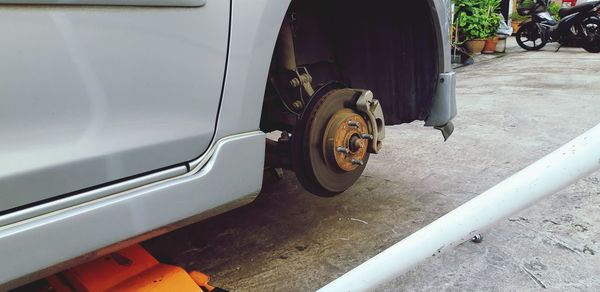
(371, 107)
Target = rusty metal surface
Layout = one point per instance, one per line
(342, 144)
(313, 171)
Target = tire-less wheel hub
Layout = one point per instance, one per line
(346, 140)
(332, 140)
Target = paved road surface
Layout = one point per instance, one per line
(512, 111)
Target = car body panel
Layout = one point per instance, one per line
(443, 108)
(69, 201)
(177, 3)
(94, 95)
(236, 152)
(443, 12)
(254, 28)
(39, 243)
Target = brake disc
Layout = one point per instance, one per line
(329, 144)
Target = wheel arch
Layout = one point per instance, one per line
(397, 50)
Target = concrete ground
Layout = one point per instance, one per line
(512, 111)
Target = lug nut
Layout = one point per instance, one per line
(357, 162)
(297, 105)
(295, 82)
(354, 124)
(343, 150)
(366, 136)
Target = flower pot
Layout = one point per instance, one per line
(490, 45)
(515, 25)
(501, 45)
(475, 46)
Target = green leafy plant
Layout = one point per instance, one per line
(554, 8)
(477, 19)
(525, 4)
(517, 17)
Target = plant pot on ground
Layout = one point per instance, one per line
(516, 20)
(501, 45)
(515, 24)
(477, 20)
(490, 45)
(475, 46)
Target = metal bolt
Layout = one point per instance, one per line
(358, 144)
(357, 162)
(295, 82)
(285, 137)
(477, 238)
(277, 173)
(297, 105)
(343, 150)
(366, 136)
(355, 124)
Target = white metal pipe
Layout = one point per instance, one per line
(561, 168)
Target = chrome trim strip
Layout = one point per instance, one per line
(130, 185)
(196, 165)
(91, 195)
(172, 3)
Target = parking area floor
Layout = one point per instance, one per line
(512, 111)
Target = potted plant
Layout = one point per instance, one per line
(493, 18)
(516, 20)
(554, 9)
(477, 21)
(524, 8)
(490, 45)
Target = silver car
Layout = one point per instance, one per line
(123, 119)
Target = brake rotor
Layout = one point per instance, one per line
(329, 144)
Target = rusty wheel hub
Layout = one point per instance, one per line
(330, 143)
(345, 142)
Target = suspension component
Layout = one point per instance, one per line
(370, 107)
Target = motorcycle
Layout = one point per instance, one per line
(579, 26)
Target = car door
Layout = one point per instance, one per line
(104, 90)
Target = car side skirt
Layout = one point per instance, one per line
(84, 231)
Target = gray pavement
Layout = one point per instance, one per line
(512, 111)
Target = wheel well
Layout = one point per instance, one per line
(388, 47)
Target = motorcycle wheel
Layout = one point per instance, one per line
(531, 37)
(592, 26)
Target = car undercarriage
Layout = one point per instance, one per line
(340, 72)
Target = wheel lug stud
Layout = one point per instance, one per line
(358, 144)
(357, 162)
(354, 124)
(366, 136)
(343, 150)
